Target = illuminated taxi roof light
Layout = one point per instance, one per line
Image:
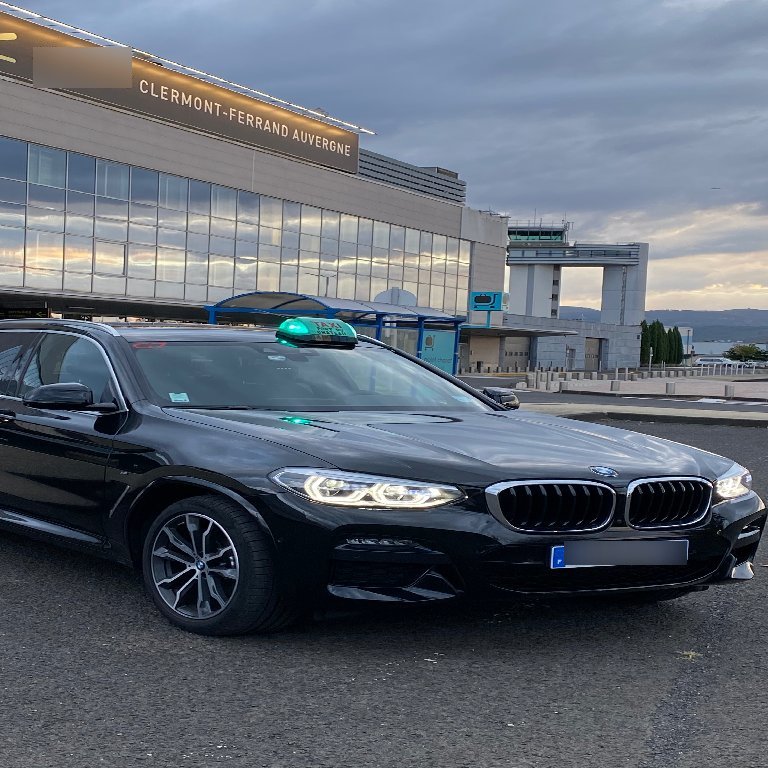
(311, 330)
(184, 68)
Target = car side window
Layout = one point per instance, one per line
(63, 358)
(12, 347)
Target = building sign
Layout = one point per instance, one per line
(438, 348)
(492, 301)
(162, 93)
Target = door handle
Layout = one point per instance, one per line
(7, 416)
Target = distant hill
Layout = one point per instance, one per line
(750, 325)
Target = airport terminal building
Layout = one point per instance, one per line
(173, 189)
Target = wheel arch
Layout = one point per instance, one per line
(163, 492)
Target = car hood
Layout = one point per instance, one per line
(465, 448)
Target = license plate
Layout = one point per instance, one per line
(594, 554)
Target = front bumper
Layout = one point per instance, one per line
(463, 551)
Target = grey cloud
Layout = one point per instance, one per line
(605, 110)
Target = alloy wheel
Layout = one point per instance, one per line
(194, 566)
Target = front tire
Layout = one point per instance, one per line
(210, 569)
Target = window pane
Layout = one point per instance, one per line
(46, 197)
(200, 197)
(309, 243)
(42, 278)
(144, 185)
(271, 213)
(114, 209)
(169, 290)
(329, 246)
(109, 229)
(221, 272)
(13, 191)
(197, 268)
(141, 261)
(245, 248)
(380, 234)
(268, 278)
(109, 258)
(173, 192)
(199, 223)
(11, 246)
(138, 287)
(138, 233)
(291, 239)
(45, 250)
(106, 284)
(78, 254)
(143, 214)
(112, 179)
(12, 215)
(222, 227)
(77, 202)
(13, 159)
(330, 224)
(288, 278)
(222, 245)
(47, 166)
(79, 225)
(170, 265)
(245, 274)
(247, 231)
(248, 207)
(412, 240)
(365, 232)
(311, 220)
(171, 238)
(197, 242)
(291, 216)
(397, 238)
(81, 173)
(77, 281)
(42, 218)
(223, 202)
(270, 253)
(270, 236)
(171, 219)
(348, 232)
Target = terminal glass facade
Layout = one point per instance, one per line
(72, 223)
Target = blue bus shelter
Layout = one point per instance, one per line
(428, 333)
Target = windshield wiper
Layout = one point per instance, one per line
(189, 406)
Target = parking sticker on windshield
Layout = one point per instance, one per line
(179, 397)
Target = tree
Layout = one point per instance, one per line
(742, 352)
(680, 346)
(671, 347)
(645, 345)
(658, 341)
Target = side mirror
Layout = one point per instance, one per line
(66, 397)
(502, 396)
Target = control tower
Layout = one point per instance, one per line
(536, 254)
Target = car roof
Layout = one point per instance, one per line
(161, 331)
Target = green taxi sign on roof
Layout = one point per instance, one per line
(311, 330)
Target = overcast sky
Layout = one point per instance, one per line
(637, 119)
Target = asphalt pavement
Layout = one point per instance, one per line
(91, 675)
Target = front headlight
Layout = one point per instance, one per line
(350, 489)
(737, 481)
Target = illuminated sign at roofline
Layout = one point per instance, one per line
(185, 100)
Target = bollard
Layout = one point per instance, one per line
(633, 377)
(615, 385)
(561, 386)
(593, 376)
(730, 391)
(568, 376)
(602, 376)
(670, 388)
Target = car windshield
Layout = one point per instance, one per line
(276, 376)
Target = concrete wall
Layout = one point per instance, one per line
(621, 343)
(623, 299)
(531, 289)
(485, 350)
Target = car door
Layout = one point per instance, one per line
(52, 462)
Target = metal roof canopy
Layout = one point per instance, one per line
(375, 314)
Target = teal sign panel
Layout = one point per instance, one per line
(437, 348)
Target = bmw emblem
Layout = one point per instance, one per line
(605, 471)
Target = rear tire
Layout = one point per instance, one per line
(210, 569)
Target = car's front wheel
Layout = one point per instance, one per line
(209, 568)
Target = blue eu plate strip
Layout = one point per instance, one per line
(558, 557)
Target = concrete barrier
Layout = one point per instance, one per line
(730, 391)
(615, 385)
(670, 388)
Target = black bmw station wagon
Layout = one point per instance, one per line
(252, 474)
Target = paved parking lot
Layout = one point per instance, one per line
(90, 675)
